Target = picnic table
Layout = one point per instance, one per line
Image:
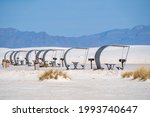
(110, 66)
(52, 63)
(75, 64)
(21, 62)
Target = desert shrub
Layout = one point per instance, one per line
(148, 73)
(45, 65)
(140, 73)
(54, 74)
(127, 74)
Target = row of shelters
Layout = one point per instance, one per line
(72, 58)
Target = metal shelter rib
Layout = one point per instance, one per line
(7, 53)
(11, 57)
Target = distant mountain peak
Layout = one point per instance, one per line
(11, 37)
(9, 29)
(140, 27)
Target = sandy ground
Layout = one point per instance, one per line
(22, 82)
(84, 84)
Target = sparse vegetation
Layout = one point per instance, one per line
(54, 74)
(45, 65)
(140, 73)
(127, 74)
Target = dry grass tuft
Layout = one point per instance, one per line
(140, 73)
(45, 65)
(127, 74)
(54, 74)
(148, 73)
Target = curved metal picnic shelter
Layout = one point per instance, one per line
(11, 57)
(44, 54)
(15, 56)
(75, 66)
(101, 49)
(5, 55)
(38, 54)
(54, 50)
(28, 54)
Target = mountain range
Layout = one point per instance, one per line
(13, 38)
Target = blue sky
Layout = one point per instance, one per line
(73, 17)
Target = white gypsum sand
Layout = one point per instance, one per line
(22, 82)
